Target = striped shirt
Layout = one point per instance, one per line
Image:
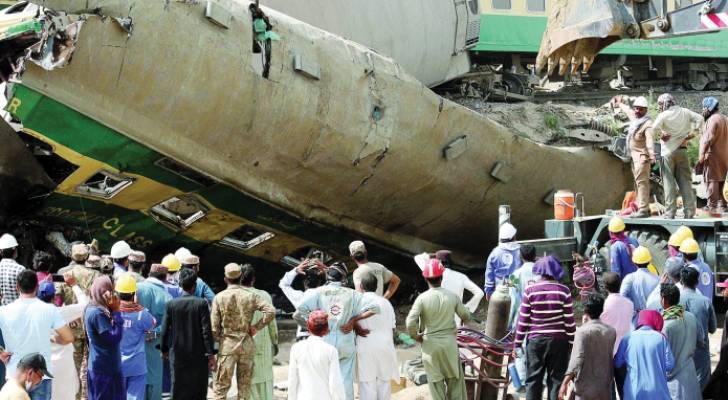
(546, 310)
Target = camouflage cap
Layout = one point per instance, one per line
(137, 256)
(107, 264)
(233, 271)
(79, 252)
(93, 262)
(158, 268)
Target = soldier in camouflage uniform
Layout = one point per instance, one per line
(82, 267)
(232, 315)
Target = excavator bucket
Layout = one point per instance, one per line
(579, 29)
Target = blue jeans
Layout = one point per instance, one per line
(42, 391)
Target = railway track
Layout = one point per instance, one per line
(599, 97)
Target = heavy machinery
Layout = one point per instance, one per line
(588, 236)
(578, 30)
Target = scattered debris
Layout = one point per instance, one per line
(31, 32)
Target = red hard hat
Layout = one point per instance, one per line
(433, 269)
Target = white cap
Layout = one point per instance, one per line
(182, 253)
(507, 231)
(357, 246)
(7, 241)
(120, 249)
(640, 102)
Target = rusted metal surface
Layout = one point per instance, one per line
(360, 149)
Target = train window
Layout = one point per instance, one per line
(246, 237)
(473, 4)
(104, 184)
(502, 4)
(536, 5)
(180, 211)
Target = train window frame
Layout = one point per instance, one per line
(168, 217)
(474, 6)
(108, 192)
(230, 241)
(500, 5)
(542, 4)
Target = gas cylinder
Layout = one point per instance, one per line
(496, 327)
(564, 205)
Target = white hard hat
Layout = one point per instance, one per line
(507, 231)
(182, 253)
(120, 249)
(640, 102)
(7, 241)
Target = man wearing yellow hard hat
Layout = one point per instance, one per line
(137, 321)
(621, 248)
(173, 266)
(638, 285)
(690, 251)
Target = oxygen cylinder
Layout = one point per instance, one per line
(496, 327)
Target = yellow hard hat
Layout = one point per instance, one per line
(641, 255)
(172, 263)
(679, 236)
(689, 246)
(616, 225)
(126, 284)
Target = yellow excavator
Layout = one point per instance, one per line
(578, 30)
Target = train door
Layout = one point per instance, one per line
(467, 19)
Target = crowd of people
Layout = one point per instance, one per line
(117, 327)
(644, 337)
(674, 127)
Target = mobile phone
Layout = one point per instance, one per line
(58, 278)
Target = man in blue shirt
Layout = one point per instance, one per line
(202, 290)
(702, 308)
(638, 285)
(621, 248)
(137, 321)
(152, 295)
(706, 283)
(503, 260)
(648, 358)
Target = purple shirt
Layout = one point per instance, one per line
(546, 310)
(618, 312)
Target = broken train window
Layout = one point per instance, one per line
(185, 172)
(246, 237)
(180, 211)
(104, 184)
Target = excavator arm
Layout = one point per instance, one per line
(578, 30)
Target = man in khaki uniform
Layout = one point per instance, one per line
(81, 267)
(232, 314)
(714, 154)
(642, 147)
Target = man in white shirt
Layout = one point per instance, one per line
(313, 371)
(675, 126)
(65, 380)
(313, 272)
(376, 358)
(454, 281)
(26, 325)
(359, 254)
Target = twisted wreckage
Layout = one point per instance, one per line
(168, 125)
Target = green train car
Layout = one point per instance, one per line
(511, 30)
